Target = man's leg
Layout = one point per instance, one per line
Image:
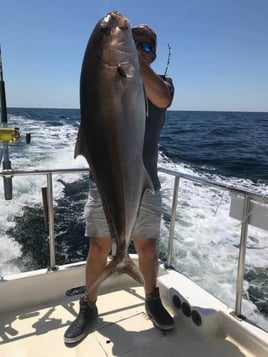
(148, 263)
(96, 262)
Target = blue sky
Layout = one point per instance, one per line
(219, 49)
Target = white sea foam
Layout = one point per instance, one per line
(206, 238)
(50, 148)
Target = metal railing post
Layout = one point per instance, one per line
(51, 222)
(173, 219)
(242, 256)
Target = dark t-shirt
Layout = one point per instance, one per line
(154, 124)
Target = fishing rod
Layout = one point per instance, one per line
(7, 135)
(168, 60)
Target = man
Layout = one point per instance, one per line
(159, 91)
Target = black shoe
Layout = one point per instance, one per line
(157, 313)
(79, 327)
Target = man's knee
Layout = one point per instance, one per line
(145, 247)
(100, 245)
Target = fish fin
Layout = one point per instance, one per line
(80, 148)
(77, 150)
(123, 72)
(148, 184)
(146, 103)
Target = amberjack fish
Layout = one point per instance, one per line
(111, 133)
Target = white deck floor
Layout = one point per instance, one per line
(122, 329)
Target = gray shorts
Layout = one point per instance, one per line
(148, 220)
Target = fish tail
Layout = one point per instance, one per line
(125, 265)
(128, 266)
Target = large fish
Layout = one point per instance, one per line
(111, 133)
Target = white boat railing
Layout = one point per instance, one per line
(245, 194)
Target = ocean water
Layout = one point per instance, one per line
(229, 147)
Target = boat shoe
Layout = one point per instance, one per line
(88, 313)
(157, 313)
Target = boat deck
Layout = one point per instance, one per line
(122, 329)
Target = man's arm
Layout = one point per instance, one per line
(157, 90)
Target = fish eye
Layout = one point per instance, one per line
(106, 30)
(124, 27)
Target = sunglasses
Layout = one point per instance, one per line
(145, 46)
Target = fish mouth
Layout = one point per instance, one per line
(114, 20)
(115, 28)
